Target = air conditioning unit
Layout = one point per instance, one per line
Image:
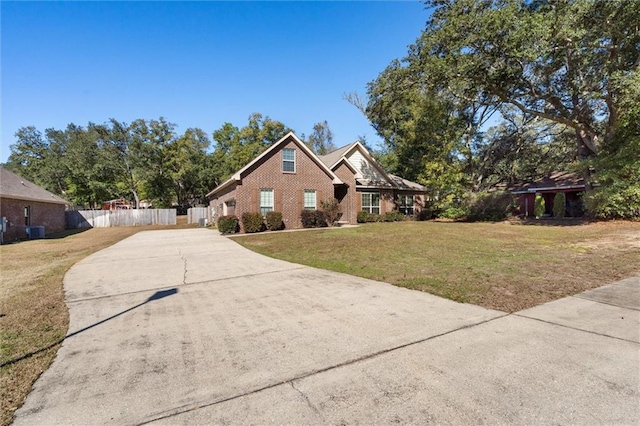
(35, 232)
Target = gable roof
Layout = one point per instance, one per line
(556, 180)
(237, 176)
(334, 158)
(19, 188)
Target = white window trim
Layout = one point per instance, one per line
(264, 208)
(315, 199)
(403, 206)
(289, 161)
(369, 208)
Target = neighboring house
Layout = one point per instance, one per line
(25, 204)
(117, 204)
(571, 184)
(288, 177)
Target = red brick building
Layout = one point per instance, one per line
(571, 184)
(25, 204)
(288, 177)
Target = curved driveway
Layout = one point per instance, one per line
(187, 327)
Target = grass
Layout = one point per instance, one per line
(502, 266)
(33, 315)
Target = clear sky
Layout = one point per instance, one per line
(198, 64)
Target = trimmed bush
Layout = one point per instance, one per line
(228, 224)
(313, 219)
(332, 211)
(252, 222)
(321, 219)
(539, 206)
(274, 221)
(393, 217)
(490, 206)
(453, 213)
(559, 202)
(366, 217)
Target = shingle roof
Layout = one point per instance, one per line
(331, 158)
(237, 176)
(555, 180)
(397, 182)
(17, 187)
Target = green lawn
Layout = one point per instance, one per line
(503, 266)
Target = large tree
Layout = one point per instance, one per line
(321, 139)
(564, 60)
(235, 147)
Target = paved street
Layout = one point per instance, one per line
(187, 327)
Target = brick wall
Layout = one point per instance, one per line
(51, 216)
(348, 199)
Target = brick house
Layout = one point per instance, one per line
(571, 184)
(25, 204)
(288, 177)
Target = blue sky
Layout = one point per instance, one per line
(198, 64)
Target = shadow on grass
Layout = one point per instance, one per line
(64, 234)
(156, 296)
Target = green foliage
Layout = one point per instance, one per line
(235, 147)
(313, 219)
(332, 210)
(321, 140)
(562, 76)
(393, 217)
(453, 212)
(617, 169)
(143, 160)
(539, 206)
(228, 224)
(559, 205)
(274, 221)
(366, 217)
(252, 222)
(490, 206)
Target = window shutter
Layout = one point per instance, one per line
(255, 199)
(300, 199)
(318, 199)
(277, 200)
(358, 201)
(383, 202)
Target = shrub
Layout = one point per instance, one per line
(424, 214)
(252, 222)
(393, 217)
(362, 216)
(274, 221)
(321, 219)
(453, 213)
(559, 202)
(490, 206)
(332, 211)
(228, 224)
(313, 219)
(538, 206)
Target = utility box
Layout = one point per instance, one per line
(202, 222)
(35, 232)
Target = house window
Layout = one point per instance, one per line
(406, 204)
(309, 199)
(266, 201)
(371, 202)
(288, 160)
(27, 216)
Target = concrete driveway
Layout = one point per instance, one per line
(187, 327)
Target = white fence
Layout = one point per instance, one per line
(194, 214)
(78, 219)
